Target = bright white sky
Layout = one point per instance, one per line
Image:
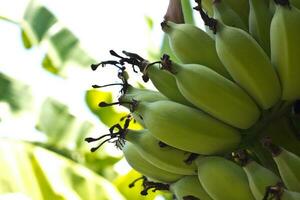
(101, 25)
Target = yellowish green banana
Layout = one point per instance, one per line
(285, 48)
(204, 88)
(167, 158)
(223, 179)
(137, 162)
(192, 45)
(187, 128)
(189, 186)
(241, 7)
(259, 23)
(227, 15)
(246, 62)
(288, 165)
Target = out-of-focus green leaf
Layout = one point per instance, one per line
(15, 93)
(41, 174)
(63, 129)
(26, 41)
(149, 22)
(36, 22)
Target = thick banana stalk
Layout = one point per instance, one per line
(259, 178)
(189, 186)
(167, 158)
(288, 165)
(137, 162)
(227, 15)
(285, 48)
(223, 179)
(204, 88)
(248, 64)
(187, 128)
(259, 23)
(192, 45)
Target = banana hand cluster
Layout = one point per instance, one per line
(224, 121)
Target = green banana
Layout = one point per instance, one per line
(166, 84)
(241, 7)
(288, 165)
(187, 128)
(192, 45)
(218, 175)
(137, 162)
(259, 178)
(166, 158)
(295, 3)
(284, 34)
(203, 87)
(189, 186)
(228, 16)
(208, 7)
(259, 23)
(246, 62)
(279, 192)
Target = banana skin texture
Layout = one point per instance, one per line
(137, 162)
(187, 128)
(204, 88)
(223, 179)
(248, 64)
(189, 186)
(285, 48)
(167, 158)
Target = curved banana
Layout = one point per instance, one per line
(204, 88)
(259, 178)
(218, 175)
(189, 186)
(166, 84)
(284, 34)
(187, 128)
(295, 3)
(192, 45)
(137, 162)
(246, 62)
(241, 7)
(288, 165)
(166, 158)
(228, 16)
(259, 23)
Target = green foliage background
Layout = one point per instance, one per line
(56, 163)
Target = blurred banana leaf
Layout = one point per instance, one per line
(15, 93)
(39, 26)
(40, 174)
(62, 129)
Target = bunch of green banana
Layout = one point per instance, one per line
(288, 165)
(137, 162)
(214, 106)
(236, 107)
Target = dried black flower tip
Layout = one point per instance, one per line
(191, 158)
(208, 21)
(166, 63)
(190, 197)
(132, 184)
(274, 192)
(148, 185)
(162, 144)
(241, 157)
